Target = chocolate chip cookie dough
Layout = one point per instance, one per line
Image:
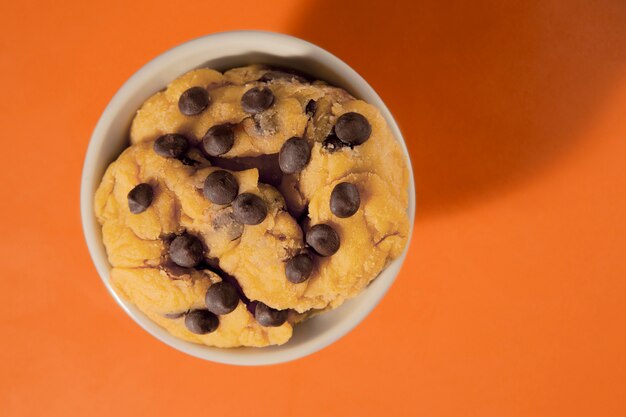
(249, 200)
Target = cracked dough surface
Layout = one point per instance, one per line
(254, 255)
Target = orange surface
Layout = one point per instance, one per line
(513, 299)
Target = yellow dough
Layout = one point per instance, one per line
(253, 255)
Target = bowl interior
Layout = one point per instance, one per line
(223, 51)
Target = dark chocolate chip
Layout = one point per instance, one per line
(186, 250)
(298, 269)
(269, 317)
(353, 128)
(193, 101)
(171, 145)
(344, 200)
(221, 298)
(310, 108)
(201, 321)
(294, 155)
(220, 187)
(257, 99)
(323, 239)
(140, 198)
(218, 140)
(332, 143)
(249, 209)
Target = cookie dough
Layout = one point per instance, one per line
(249, 200)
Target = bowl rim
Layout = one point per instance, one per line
(377, 288)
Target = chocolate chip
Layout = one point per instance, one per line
(249, 209)
(310, 108)
(193, 101)
(218, 140)
(140, 198)
(186, 250)
(171, 145)
(220, 187)
(353, 128)
(201, 321)
(221, 298)
(299, 268)
(269, 317)
(257, 99)
(294, 155)
(344, 200)
(332, 143)
(323, 239)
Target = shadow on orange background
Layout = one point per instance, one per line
(486, 94)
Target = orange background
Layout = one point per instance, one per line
(513, 299)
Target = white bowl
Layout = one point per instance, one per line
(223, 51)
